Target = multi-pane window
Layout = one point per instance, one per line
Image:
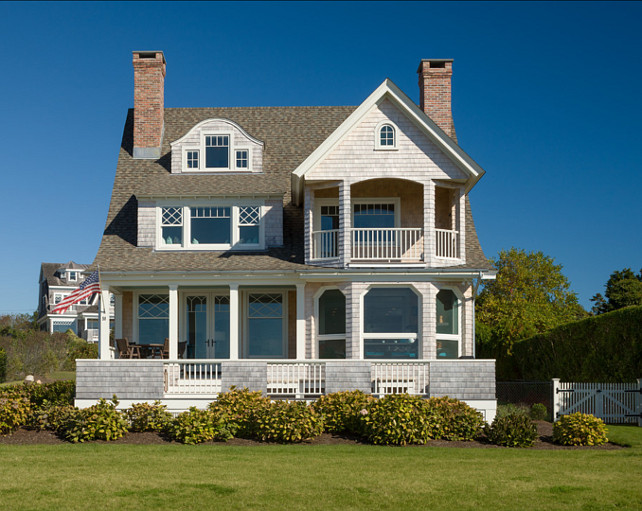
(391, 323)
(387, 136)
(153, 318)
(249, 217)
(332, 324)
(72, 276)
(373, 215)
(448, 335)
(210, 225)
(217, 151)
(242, 159)
(192, 158)
(265, 325)
(172, 225)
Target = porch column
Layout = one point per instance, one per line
(345, 223)
(118, 316)
(234, 321)
(300, 321)
(103, 316)
(173, 321)
(429, 222)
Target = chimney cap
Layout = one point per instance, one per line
(436, 61)
(149, 54)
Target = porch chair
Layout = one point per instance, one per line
(165, 351)
(126, 350)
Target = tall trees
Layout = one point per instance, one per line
(623, 288)
(530, 295)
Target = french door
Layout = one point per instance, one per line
(206, 325)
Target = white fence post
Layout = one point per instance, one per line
(638, 401)
(556, 399)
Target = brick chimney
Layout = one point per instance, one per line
(434, 93)
(149, 103)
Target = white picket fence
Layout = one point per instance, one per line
(611, 402)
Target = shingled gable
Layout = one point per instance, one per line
(388, 90)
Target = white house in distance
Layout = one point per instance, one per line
(56, 282)
(293, 250)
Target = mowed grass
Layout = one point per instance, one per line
(175, 477)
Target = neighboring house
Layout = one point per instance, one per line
(294, 250)
(56, 282)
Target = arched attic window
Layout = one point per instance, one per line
(386, 136)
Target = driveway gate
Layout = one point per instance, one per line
(611, 402)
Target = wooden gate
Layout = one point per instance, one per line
(612, 402)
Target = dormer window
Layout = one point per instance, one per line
(217, 151)
(386, 136)
(192, 159)
(73, 276)
(242, 159)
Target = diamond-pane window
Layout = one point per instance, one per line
(153, 306)
(249, 217)
(172, 225)
(265, 306)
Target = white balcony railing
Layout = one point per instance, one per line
(400, 378)
(402, 244)
(325, 244)
(447, 243)
(296, 379)
(192, 378)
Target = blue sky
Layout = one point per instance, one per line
(546, 99)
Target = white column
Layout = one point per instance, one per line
(234, 321)
(103, 316)
(300, 321)
(345, 223)
(173, 321)
(118, 315)
(556, 399)
(429, 222)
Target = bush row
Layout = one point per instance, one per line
(393, 420)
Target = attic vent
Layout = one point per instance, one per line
(437, 65)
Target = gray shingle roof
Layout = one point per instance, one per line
(49, 273)
(290, 134)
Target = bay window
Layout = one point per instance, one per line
(391, 323)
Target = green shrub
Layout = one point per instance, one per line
(507, 409)
(452, 419)
(146, 417)
(516, 430)
(14, 412)
(342, 411)
(196, 426)
(539, 412)
(238, 405)
(98, 422)
(56, 393)
(78, 348)
(398, 419)
(49, 416)
(3, 365)
(286, 422)
(579, 429)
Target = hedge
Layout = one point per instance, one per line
(604, 348)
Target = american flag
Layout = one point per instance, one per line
(87, 288)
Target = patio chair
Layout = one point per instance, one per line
(126, 350)
(165, 351)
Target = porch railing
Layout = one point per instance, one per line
(296, 379)
(192, 378)
(447, 243)
(400, 377)
(325, 244)
(403, 244)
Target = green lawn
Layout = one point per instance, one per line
(122, 477)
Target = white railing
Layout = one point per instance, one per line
(404, 244)
(188, 377)
(91, 334)
(612, 402)
(296, 379)
(325, 244)
(400, 377)
(447, 243)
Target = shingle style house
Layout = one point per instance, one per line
(295, 250)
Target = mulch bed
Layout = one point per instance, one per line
(545, 440)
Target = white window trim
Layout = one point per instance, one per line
(318, 203)
(249, 159)
(234, 218)
(200, 159)
(328, 337)
(377, 135)
(230, 151)
(135, 300)
(450, 337)
(378, 200)
(74, 273)
(416, 335)
(245, 306)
